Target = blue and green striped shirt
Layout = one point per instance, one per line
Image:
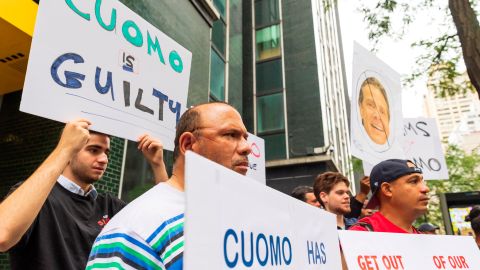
(146, 234)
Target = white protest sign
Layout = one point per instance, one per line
(385, 251)
(422, 146)
(101, 61)
(256, 159)
(376, 115)
(234, 222)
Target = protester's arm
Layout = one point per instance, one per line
(19, 209)
(364, 189)
(355, 208)
(152, 149)
(356, 203)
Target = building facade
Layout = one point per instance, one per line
(458, 118)
(295, 89)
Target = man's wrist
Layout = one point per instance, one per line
(361, 197)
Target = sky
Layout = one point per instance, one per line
(398, 54)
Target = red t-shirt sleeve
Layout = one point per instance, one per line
(357, 228)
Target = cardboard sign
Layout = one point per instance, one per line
(101, 61)
(232, 222)
(385, 251)
(256, 159)
(376, 115)
(422, 146)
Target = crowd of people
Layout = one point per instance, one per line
(398, 192)
(56, 219)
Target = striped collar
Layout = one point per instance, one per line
(76, 189)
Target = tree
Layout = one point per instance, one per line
(464, 175)
(443, 54)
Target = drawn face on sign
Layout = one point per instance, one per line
(374, 110)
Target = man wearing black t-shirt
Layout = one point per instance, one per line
(51, 220)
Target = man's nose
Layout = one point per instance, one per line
(425, 188)
(102, 158)
(244, 147)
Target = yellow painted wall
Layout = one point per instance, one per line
(17, 21)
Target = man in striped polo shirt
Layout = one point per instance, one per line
(148, 233)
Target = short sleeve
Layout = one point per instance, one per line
(357, 227)
(122, 249)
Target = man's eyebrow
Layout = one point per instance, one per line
(94, 146)
(97, 146)
(412, 177)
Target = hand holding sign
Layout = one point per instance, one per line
(74, 136)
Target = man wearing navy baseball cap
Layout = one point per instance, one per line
(400, 193)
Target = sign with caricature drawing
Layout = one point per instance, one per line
(376, 115)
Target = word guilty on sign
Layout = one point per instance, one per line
(73, 80)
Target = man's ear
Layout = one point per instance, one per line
(386, 189)
(186, 141)
(323, 197)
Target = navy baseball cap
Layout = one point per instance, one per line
(474, 212)
(388, 171)
(427, 227)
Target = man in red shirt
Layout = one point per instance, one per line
(398, 189)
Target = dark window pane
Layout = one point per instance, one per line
(217, 77)
(270, 113)
(268, 42)
(275, 146)
(218, 36)
(269, 76)
(235, 50)
(266, 12)
(220, 5)
(138, 175)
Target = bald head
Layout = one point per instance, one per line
(190, 121)
(215, 131)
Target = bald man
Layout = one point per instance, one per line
(149, 231)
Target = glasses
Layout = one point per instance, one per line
(229, 135)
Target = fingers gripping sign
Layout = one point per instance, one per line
(75, 135)
(365, 185)
(152, 150)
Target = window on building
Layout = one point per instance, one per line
(218, 36)
(218, 54)
(274, 146)
(217, 77)
(269, 76)
(270, 113)
(266, 12)
(269, 83)
(268, 42)
(220, 5)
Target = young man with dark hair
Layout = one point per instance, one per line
(398, 189)
(149, 231)
(305, 194)
(51, 220)
(332, 190)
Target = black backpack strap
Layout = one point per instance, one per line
(365, 225)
